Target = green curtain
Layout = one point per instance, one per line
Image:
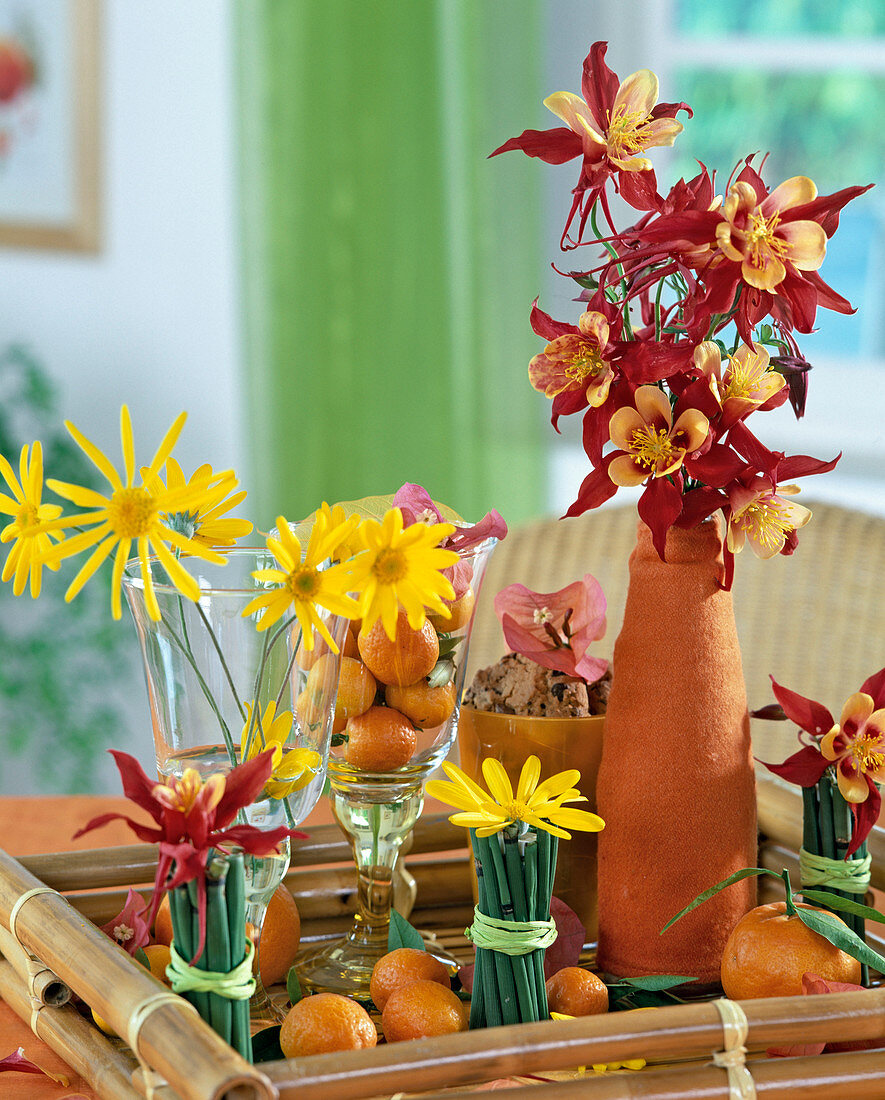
(389, 267)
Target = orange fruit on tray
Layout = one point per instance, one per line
(409, 657)
(380, 740)
(324, 1023)
(423, 705)
(421, 1009)
(163, 922)
(158, 957)
(402, 966)
(575, 991)
(768, 952)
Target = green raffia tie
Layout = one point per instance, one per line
(849, 875)
(510, 937)
(237, 984)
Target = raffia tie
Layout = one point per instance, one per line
(35, 966)
(511, 937)
(153, 1081)
(237, 984)
(852, 876)
(733, 1058)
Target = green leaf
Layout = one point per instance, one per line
(293, 986)
(841, 936)
(441, 673)
(707, 894)
(644, 998)
(402, 934)
(844, 905)
(653, 981)
(266, 1045)
(141, 957)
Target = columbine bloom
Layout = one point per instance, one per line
(301, 584)
(206, 524)
(554, 629)
(192, 817)
(652, 445)
(542, 806)
(29, 514)
(576, 362)
(854, 746)
(130, 514)
(857, 747)
(292, 769)
(401, 566)
(755, 235)
(764, 518)
(744, 383)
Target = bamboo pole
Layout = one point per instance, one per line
(172, 1039)
(854, 1076)
(107, 1069)
(42, 985)
(683, 1031)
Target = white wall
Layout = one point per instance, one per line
(152, 320)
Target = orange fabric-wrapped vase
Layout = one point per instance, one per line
(676, 785)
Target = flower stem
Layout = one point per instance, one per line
(224, 664)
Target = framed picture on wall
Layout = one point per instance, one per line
(49, 124)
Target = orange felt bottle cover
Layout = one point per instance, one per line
(676, 784)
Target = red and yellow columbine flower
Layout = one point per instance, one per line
(741, 385)
(856, 745)
(652, 445)
(292, 769)
(540, 805)
(764, 518)
(301, 584)
(29, 515)
(576, 361)
(630, 128)
(754, 234)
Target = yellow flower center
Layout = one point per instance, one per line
(586, 362)
(866, 752)
(626, 131)
(743, 378)
(390, 566)
(764, 245)
(765, 522)
(652, 446)
(304, 583)
(131, 512)
(515, 809)
(26, 516)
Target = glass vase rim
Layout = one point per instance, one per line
(132, 573)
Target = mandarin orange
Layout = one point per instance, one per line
(380, 740)
(769, 950)
(461, 610)
(423, 705)
(324, 1023)
(409, 657)
(402, 966)
(280, 937)
(575, 991)
(422, 1009)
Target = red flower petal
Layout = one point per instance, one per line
(874, 686)
(554, 146)
(804, 767)
(811, 716)
(659, 508)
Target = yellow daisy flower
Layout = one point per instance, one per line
(205, 524)
(301, 584)
(28, 518)
(130, 514)
(292, 769)
(541, 805)
(401, 567)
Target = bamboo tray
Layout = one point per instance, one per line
(678, 1042)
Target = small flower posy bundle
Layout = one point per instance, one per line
(514, 839)
(664, 389)
(839, 769)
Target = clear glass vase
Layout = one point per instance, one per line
(212, 680)
(377, 810)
